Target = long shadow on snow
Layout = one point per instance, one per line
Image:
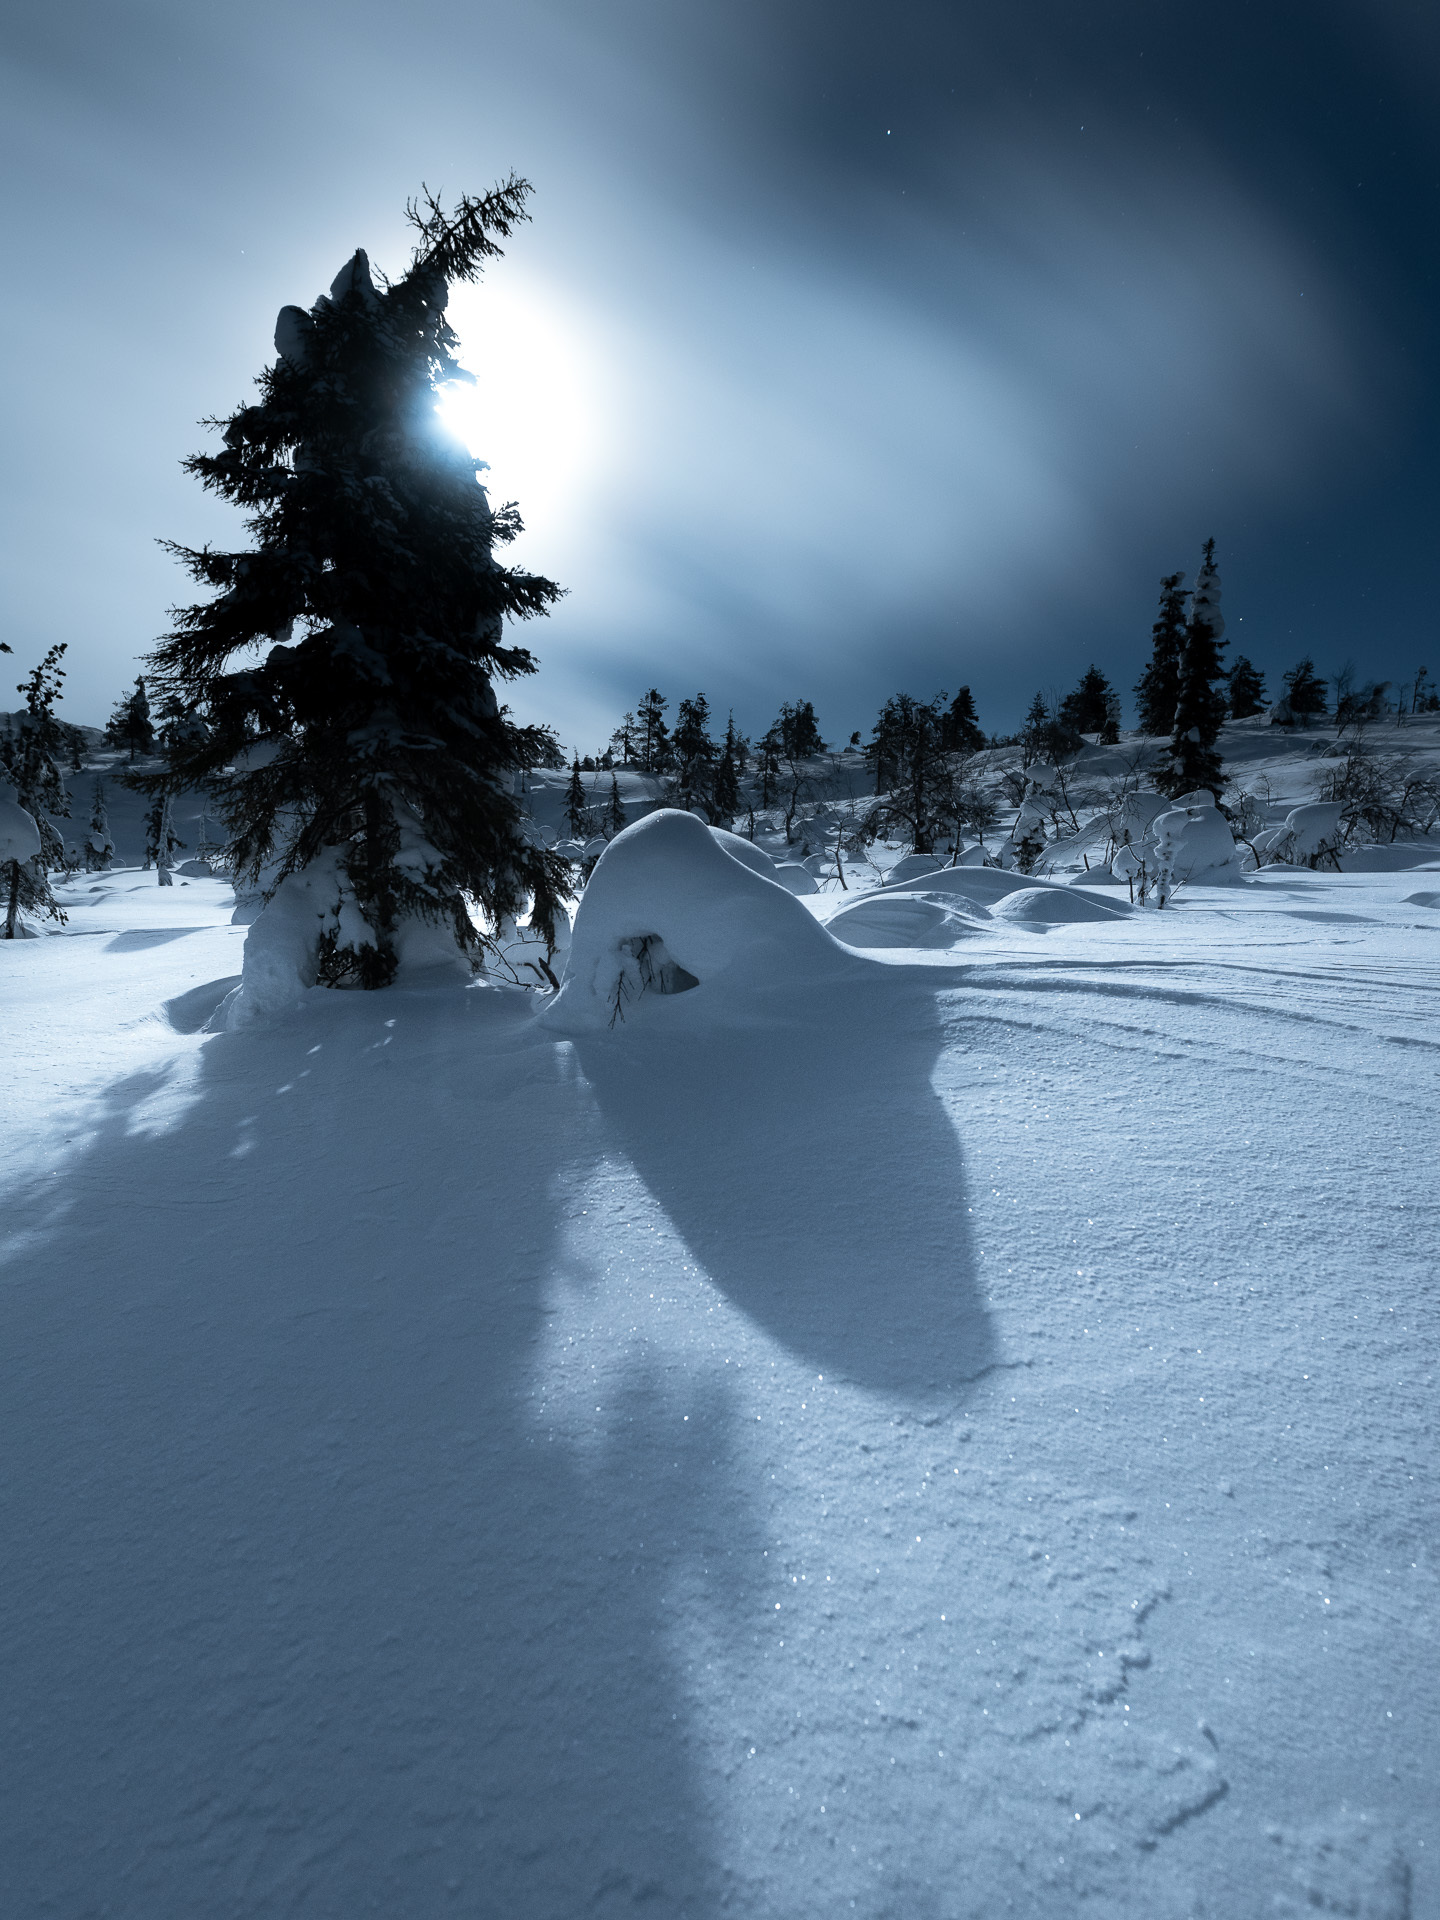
(304, 1614)
(810, 1166)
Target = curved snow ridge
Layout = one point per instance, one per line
(1057, 906)
(670, 909)
(907, 920)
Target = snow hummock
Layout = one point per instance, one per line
(667, 902)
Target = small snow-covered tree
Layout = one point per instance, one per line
(130, 728)
(345, 666)
(162, 842)
(30, 757)
(99, 847)
(1247, 689)
(1158, 689)
(615, 812)
(1201, 702)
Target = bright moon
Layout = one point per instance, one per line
(532, 411)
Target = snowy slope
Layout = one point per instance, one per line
(956, 1440)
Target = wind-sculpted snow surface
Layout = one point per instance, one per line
(930, 1437)
(669, 909)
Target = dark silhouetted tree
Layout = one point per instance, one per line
(1201, 703)
(130, 728)
(1158, 688)
(1247, 689)
(1305, 691)
(577, 805)
(693, 753)
(798, 731)
(960, 730)
(725, 796)
(653, 736)
(1087, 708)
(367, 735)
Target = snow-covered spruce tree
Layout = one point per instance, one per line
(366, 744)
(99, 847)
(1201, 702)
(615, 812)
(129, 727)
(1247, 689)
(1158, 688)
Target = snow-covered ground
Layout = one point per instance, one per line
(956, 1439)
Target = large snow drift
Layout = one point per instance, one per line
(668, 910)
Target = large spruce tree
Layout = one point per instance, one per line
(345, 667)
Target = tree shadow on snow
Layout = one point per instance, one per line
(812, 1169)
(306, 1612)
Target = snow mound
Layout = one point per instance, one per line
(1194, 843)
(1422, 900)
(1056, 906)
(745, 851)
(906, 920)
(667, 910)
(796, 878)
(914, 866)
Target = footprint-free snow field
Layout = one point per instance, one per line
(954, 1440)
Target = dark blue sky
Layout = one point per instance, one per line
(851, 349)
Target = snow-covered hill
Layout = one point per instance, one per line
(954, 1437)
